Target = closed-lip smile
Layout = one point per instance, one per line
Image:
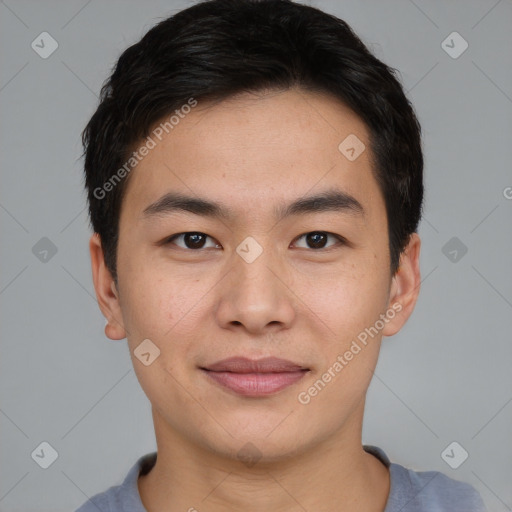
(255, 377)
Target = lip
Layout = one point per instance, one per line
(255, 377)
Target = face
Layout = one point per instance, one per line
(265, 273)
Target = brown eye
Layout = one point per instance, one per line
(318, 239)
(191, 240)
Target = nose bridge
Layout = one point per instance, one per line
(254, 295)
(253, 263)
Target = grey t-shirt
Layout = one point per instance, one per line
(410, 491)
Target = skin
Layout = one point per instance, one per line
(301, 303)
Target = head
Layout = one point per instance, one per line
(212, 136)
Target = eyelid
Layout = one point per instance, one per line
(341, 240)
(169, 240)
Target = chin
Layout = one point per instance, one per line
(266, 442)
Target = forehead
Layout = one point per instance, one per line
(256, 147)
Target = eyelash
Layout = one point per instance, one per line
(342, 241)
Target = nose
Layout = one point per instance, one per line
(255, 296)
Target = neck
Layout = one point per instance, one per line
(334, 471)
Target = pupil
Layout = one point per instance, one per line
(195, 238)
(314, 239)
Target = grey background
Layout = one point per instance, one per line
(445, 377)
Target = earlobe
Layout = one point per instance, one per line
(106, 292)
(405, 286)
(114, 331)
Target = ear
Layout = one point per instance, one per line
(106, 291)
(405, 286)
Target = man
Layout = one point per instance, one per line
(254, 177)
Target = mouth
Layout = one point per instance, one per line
(255, 378)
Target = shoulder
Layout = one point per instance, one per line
(100, 502)
(432, 491)
(111, 500)
(124, 497)
(426, 491)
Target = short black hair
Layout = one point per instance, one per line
(216, 49)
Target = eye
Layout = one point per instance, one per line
(191, 239)
(317, 239)
(196, 240)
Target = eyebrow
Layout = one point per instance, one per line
(332, 200)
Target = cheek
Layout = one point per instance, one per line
(159, 309)
(151, 297)
(350, 345)
(347, 299)
(169, 309)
